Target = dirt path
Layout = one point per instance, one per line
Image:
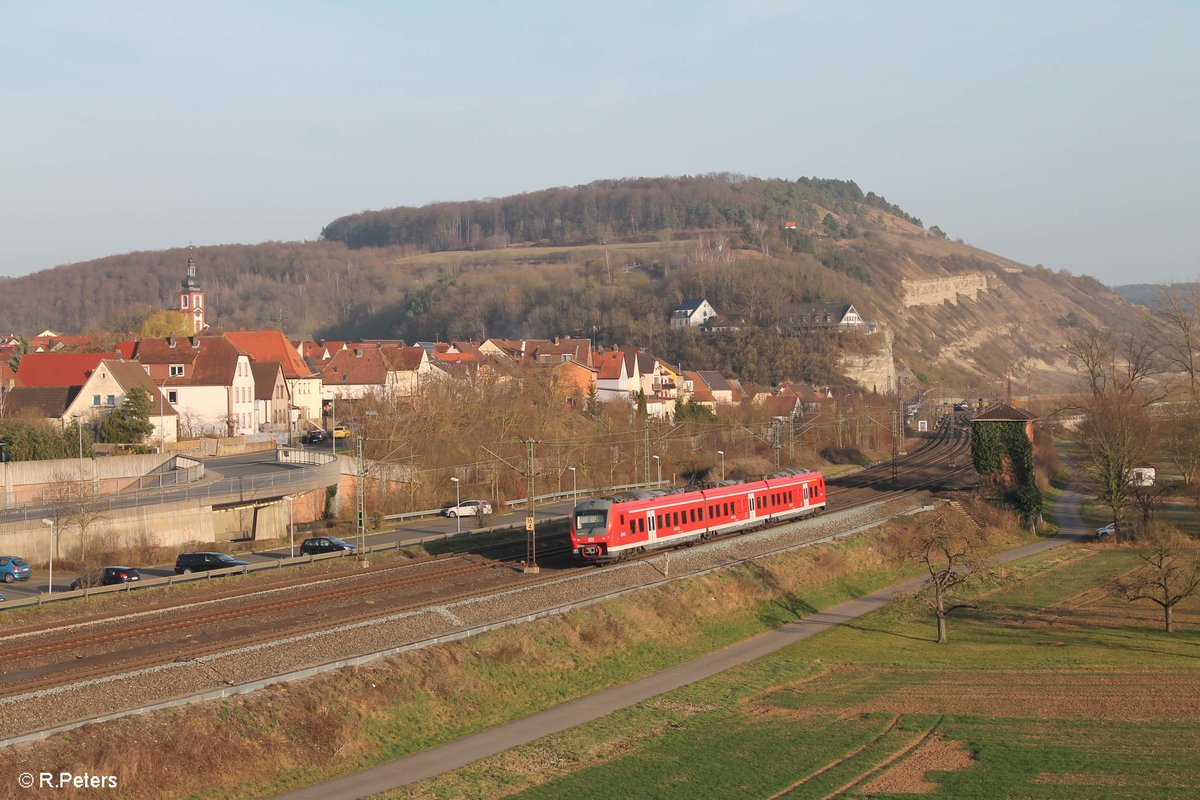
(460, 753)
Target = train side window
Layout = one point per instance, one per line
(675, 518)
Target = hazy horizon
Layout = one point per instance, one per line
(1061, 135)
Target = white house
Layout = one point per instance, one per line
(692, 313)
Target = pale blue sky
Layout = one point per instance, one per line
(1060, 133)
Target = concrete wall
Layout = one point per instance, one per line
(172, 525)
(29, 481)
(166, 525)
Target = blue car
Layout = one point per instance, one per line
(14, 568)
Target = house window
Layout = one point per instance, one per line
(183, 301)
(172, 397)
(95, 399)
(111, 400)
(175, 371)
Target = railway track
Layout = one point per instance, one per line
(25, 668)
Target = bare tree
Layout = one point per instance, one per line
(1170, 572)
(1181, 440)
(1117, 362)
(1117, 435)
(955, 560)
(1178, 322)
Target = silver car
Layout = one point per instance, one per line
(468, 508)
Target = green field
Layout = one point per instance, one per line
(1053, 690)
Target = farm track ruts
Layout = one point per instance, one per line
(934, 451)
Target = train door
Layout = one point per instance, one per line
(651, 528)
(750, 500)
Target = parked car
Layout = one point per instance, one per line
(1108, 530)
(340, 431)
(468, 508)
(198, 562)
(106, 576)
(325, 544)
(14, 568)
(314, 437)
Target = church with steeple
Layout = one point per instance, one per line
(191, 295)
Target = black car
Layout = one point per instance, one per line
(198, 562)
(314, 437)
(106, 576)
(325, 544)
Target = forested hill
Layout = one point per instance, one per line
(613, 259)
(635, 209)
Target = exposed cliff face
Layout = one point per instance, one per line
(875, 372)
(935, 291)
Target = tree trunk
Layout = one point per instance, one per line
(1167, 621)
(941, 622)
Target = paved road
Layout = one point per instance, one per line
(457, 754)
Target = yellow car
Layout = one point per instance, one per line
(340, 431)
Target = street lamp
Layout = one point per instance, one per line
(457, 506)
(721, 453)
(291, 524)
(161, 427)
(50, 578)
(574, 486)
(79, 427)
(658, 463)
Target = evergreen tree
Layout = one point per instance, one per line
(130, 423)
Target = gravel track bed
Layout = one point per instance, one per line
(46, 708)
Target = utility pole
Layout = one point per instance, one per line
(362, 504)
(646, 446)
(530, 521)
(895, 447)
(776, 443)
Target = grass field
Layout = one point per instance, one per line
(1054, 690)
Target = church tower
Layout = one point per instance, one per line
(191, 296)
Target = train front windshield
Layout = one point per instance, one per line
(591, 518)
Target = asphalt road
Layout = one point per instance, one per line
(457, 754)
(251, 465)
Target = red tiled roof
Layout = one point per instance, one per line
(405, 359)
(271, 346)
(216, 364)
(355, 365)
(610, 366)
(700, 391)
(171, 350)
(57, 369)
(1003, 412)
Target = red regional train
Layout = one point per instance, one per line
(611, 529)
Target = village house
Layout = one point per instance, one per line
(828, 317)
(70, 397)
(207, 378)
(302, 382)
(692, 313)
